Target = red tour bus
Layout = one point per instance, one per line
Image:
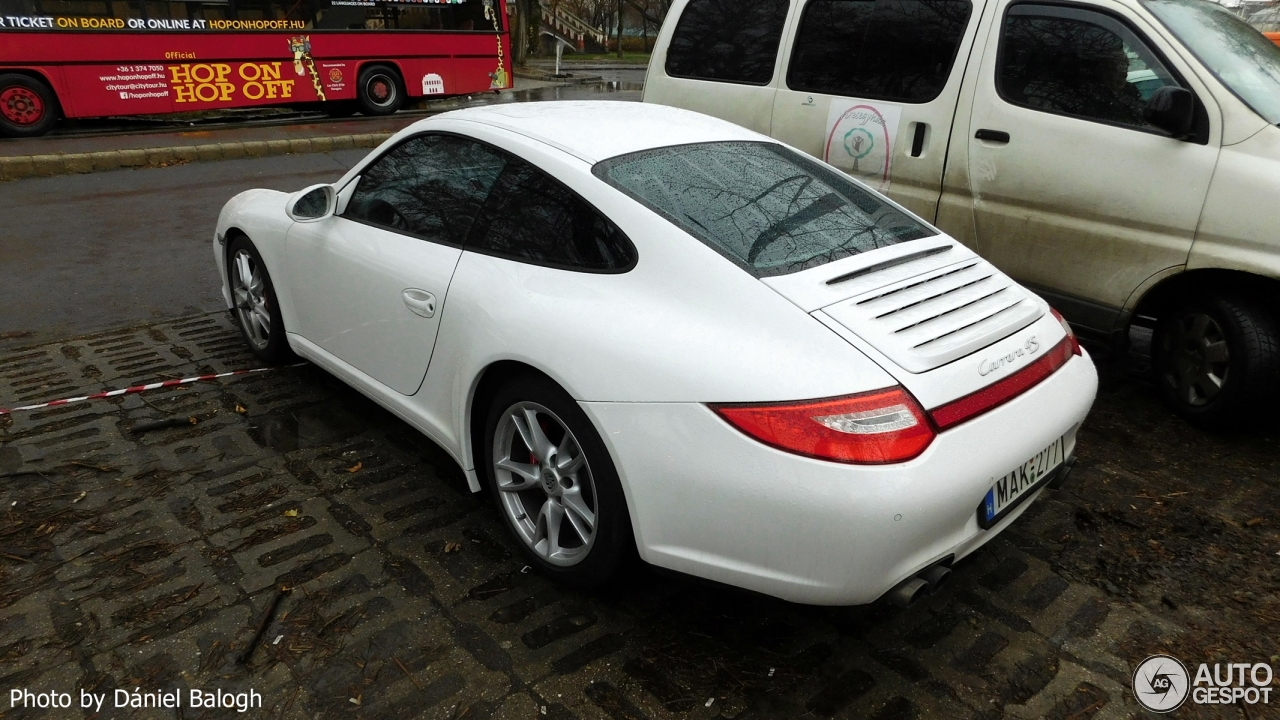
(87, 58)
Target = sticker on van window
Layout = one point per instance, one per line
(860, 140)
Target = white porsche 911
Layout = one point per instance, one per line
(641, 327)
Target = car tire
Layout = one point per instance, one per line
(571, 491)
(1216, 359)
(255, 308)
(379, 90)
(28, 107)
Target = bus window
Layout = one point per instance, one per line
(275, 10)
(179, 10)
(347, 15)
(87, 8)
(341, 17)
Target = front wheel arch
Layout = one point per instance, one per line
(273, 347)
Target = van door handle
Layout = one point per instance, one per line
(419, 302)
(995, 136)
(917, 142)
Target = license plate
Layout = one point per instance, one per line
(1009, 491)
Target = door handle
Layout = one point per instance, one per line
(419, 302)
(995, 136)
(917, 142)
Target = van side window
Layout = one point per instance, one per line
(900, 50)
(727, 40)
(1076, 62)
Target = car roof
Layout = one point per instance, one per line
(595, 130)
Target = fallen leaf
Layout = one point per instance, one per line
(355, 468)
(241, 409)
(291, 513)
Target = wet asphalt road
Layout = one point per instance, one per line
(89, 252)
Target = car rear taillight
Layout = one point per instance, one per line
(1071, 334)
(883, 426)
(1002, 391)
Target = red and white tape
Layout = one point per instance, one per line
(134, 390)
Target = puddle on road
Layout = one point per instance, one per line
(320, 424)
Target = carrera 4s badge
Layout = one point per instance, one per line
(990, 365)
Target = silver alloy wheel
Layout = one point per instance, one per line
(543, 480)
(250, 294)
(1199, 358)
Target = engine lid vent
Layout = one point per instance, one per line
(929, 320)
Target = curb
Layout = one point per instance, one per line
(549, 77)
(29, 166)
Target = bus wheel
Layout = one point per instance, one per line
(380, 91)
(27, 106)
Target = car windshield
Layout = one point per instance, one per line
(1238, 55)
(768, 209)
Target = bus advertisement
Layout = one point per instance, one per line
(94, 58)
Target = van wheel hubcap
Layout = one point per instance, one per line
(1198, 357)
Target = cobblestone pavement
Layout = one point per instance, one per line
(149, 560)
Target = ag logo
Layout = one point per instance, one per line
(1161, 683)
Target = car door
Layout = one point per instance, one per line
(370, 284)
(720, 60)
(1074, 193)
(870, 86)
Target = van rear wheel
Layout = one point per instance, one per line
(1216, 359)
(28, 107)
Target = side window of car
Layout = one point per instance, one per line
(900, 50)
(727, 40)
(1076, 62)
(430, 186)
(534, 218)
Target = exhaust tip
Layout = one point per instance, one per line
(908, 592)
(937, 577)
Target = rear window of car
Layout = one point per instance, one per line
(768, 209)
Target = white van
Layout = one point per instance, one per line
(1122, 157)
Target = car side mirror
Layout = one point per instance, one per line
(1171, 109)
(314, 203)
